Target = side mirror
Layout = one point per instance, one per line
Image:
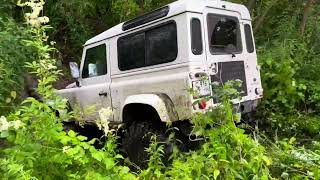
(75, 73)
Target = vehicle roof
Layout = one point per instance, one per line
(179, 7)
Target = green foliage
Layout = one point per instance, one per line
(298, 125)
(155, 165)
(45, 151)
(13, 55)
(37, 145)
(226, 153)
(289, 78)
(290, 70)
(293, 162)
(278, 71)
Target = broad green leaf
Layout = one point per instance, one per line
(118, 156)
(4, 134)
(82, 138)
(292, 140)
(97, 155)
(92, 141)
(72, 133)
(8, 100)
(267, 160)
(13, 94)
(125, 170)
(216, 173)
(109, 163)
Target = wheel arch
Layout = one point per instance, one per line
(160, 103)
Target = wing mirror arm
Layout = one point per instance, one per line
(77, 83)
(75, 73)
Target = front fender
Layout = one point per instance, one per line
(160, 102)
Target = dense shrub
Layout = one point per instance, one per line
(13, 55)
(37, 146)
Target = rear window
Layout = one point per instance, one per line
(224, 34)
(249, 39)
(151, 47)
(196, 36)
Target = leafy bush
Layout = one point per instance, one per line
(282, 91)
(37, 145)
(293, 162)
(226, 152)
(13, 55)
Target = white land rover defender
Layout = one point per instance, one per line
(144, 68)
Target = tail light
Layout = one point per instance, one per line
(203, 104)
(259, 91)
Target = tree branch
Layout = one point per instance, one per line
(306, 13)
(264, 15)
(250, 4)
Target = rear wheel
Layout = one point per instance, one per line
(249, 119)
(137, 139)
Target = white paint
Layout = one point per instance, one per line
(155, 101)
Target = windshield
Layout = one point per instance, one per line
(224, 34)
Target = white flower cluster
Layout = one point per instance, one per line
(65, 149)
(46, 64)
(103, 123)
(33, 18)
(5, 125)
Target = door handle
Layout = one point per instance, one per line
(103, 93)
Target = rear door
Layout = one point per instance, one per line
(224, 47)
(95, 81)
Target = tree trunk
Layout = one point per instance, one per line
(31, 83)
(306, 12)
(250, 4)
(264, 15)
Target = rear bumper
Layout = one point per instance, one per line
(247, 106)
(243, 107)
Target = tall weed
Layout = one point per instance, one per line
(37, 145)
(13, 55)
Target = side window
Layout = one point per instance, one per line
(95, 63)
(224, 34)
(249, 38)
(161, 44)
(196, 36)
(131, 51)
(151, 47)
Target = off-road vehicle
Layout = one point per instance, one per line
(144, 68)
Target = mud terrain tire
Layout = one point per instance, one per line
(137, 139)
